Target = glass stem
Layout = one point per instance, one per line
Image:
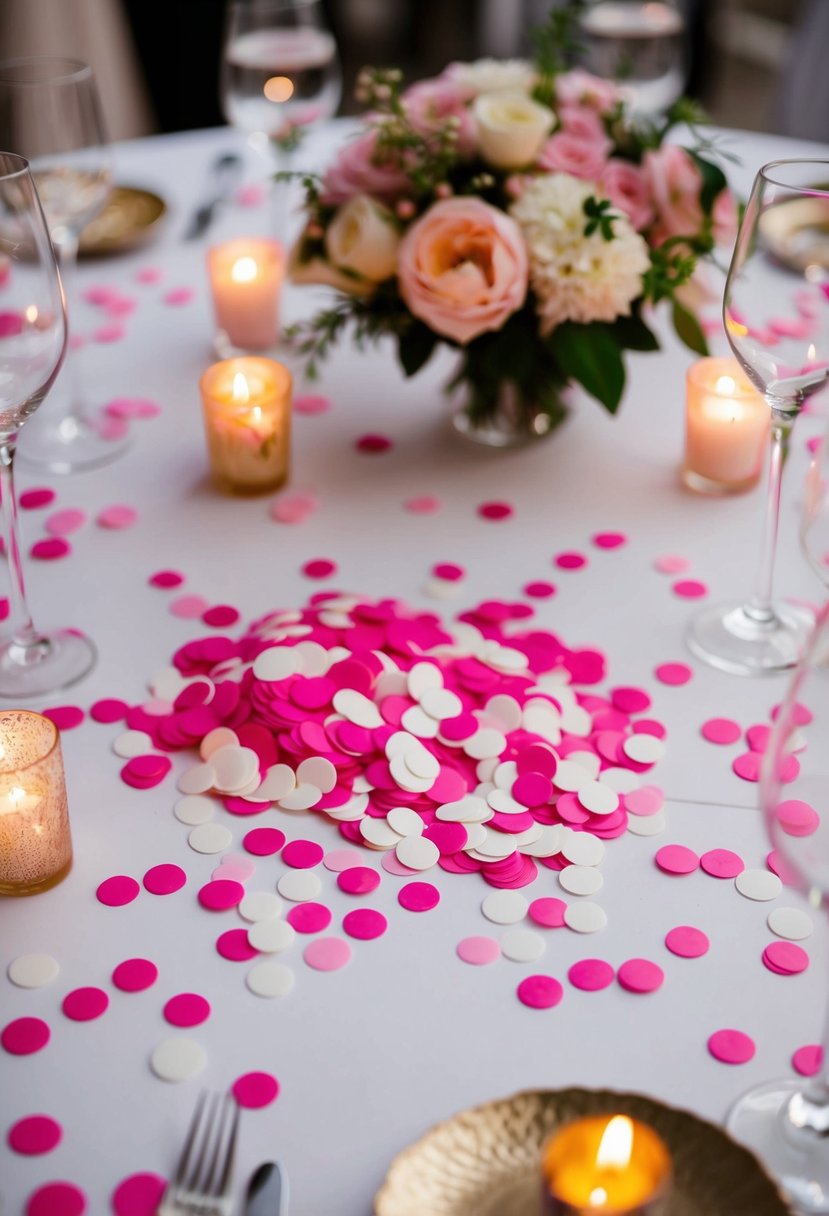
(809, 1107)
(281, 195)
(69, 409)
(759, 607)
(27, 645)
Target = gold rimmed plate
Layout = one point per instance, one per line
(129, 217)
(796, 232)
(485, 1161)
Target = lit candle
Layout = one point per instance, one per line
(605, 1166)
(246, 281)
(35, 842)
(247, 418)
(727, 427)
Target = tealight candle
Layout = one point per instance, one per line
(246, 281)
(727, 427)
(35, 842)
(604, 1166)
(247, 418)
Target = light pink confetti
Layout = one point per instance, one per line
(178, 296)
(188, 607)
(149, 274)
(109, 333)
(671, 564)
(117, 517)
(423, 504)
(63, 523)
(251, 195)
(312, 404)
(478, 951)
(687, 942)
(327, 953)
(797, 818)
(293, 508)
(132, 407)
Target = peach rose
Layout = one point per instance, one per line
(357, 170)
(462, 268)
(675, 183)
(564, 153)
(627, 188)
(582, 88)
(430, 102)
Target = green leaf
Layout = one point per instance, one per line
(591, 355)
(713, 181)
(415, 347)
(689, 330)
(633, 334)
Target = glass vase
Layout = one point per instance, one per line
(508, 417)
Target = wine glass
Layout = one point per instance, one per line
(280, 75)
(777, 322)
(50, 113)
(786, 1121)
(638, 44)
(814, 519)
(32, 346)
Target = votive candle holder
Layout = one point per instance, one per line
(35, 839)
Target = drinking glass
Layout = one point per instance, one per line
(32, 346)
(814, 519)
(777, 322)
(280, 75)
(638, 44)
(50, 113)
(786, 1121)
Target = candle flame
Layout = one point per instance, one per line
(244, 270)
(279, 88)
(812, 351)
(31, 313)
(597, 1198)
(725, 386)
(616, 1144)
(241, 391)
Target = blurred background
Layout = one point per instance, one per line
(755, 64)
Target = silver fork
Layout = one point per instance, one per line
(201, 1186)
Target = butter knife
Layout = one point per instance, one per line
(267, 1193)
(226, 172)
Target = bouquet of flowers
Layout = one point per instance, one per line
(516, 212)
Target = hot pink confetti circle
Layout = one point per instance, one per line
(253, 1090)
(640, 975)
(358, 880)
(187, 1009)
(495, 510)
(797, 818)
(747, 766)
(373, 444)
(302, 854)
(450, 572)
(233, 945)
(327, 953)
(785, 958)
(689, 588)
(263, 842)
(673, 674)
(85, 1004)
(539, 590)
(309, 917)
(220, 894)
(539, 992)
(687, 942)
(365, 924)
(34, 1135)
(418, 897)
(591, 974)
(117, 891)
(145, 772)
(676, 859)
(56, 1199)
(65, 717)
(24, 1036)
(319, 567)
(166, 579)
(731, 1046)
(31, 500)
(609, 540)
(50, 550)
(722, 863)
(178, 296)
(312, 404)
(221, 616)
(808, 1060)
(138, 1195)
(478, 951)
(721, 730)
(108, 710)
(164, 879)
(548, 912)
(570, 561)
(135, 975)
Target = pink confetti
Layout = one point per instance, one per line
(671, 564)
(233, 945)
(539, 590)
(117, 517)
(65, 717)
(591, 974)
(797, 818)
(640, 975)
(56, 1199)
(145, 772)
(5, 607)
(609, 540)
(63, 523)
(221, 616)
(373, 444)
(721, 730)
(327, 953)
(319, 567)
(117, 891)
(358, 880)
(31, 500)
(108, 710)
(423, 504)
(418, 897)
(312, 404)
(673, 674)
(293, 508)
(808, 1060)
(548, 912)
(647, 800)
(166, 579)
(34, 1135)
(495, 510)
(785, 958)
(254, 1090)
(689, 589)
(630, 700)
(150, 274)
(309, 917)
(264, 842)
(342, 859)
(302, 854)
(687, 942)
(722, 863)
(570, 561)
(539, 992)
(178, 296)
(220, 894)
(677, 859)
(747, 766)
(186, 1009)
(139, 1195)
(164, 879)
(122, 306)
(24, 1036)
(126, 408)
(100, 294)
(251, 195)
(801, 714)
(50, 550)
(365, 924)
(85, 1004)
(113, 332)
(757, 737)
(478, 951)
(449, 571)
(188, 607)
(731, 1046)
(135, 975)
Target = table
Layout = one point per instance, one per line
(369, 1057)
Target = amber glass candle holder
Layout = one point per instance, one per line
(605, 1166)
(247, 420)
(35, 842)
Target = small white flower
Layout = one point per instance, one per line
(511, 128)
(576, 277)
(363, 238)
(494, 75)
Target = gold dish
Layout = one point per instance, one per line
(485, 1161)
(797, 232)
(129, 217)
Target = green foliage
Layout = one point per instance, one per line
(415, 347)
(555, 46)
(601, 216)
(591, 355)
(689, 329)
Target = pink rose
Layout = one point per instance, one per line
(462, 268)
(581, 88)
(725, 215)
(627, 188)
(585, 124)
(430, 102)
(358, 171)
(565, 153)
(676, 184)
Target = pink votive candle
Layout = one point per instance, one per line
(726, 428)
(246, 282)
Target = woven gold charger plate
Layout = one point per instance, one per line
(796, 232)
(128, 218)
(485, 1161)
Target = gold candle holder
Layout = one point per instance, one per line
(605, 1166)
(726, 428)
(247, 419)
(35, 842)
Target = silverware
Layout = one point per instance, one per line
(267, 1191)
(201, 1186)
(226, 173)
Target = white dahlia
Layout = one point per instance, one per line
(577, 277)
(493, 76)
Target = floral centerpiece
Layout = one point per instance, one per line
(516, 212)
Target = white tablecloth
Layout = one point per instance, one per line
(371, 1056)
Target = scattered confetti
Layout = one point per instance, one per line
(327, 954)
(56, 1199)
(312, 404)
(254, 1090)
(687, 942)
(32, 500)
(423, 504)
(85, 1004)
(570, 561)
(139, 1195)
(591, 974)
(495, 510)
(319, 567)
(50, 550)
(166, 579)
(731, 1046)
(65, 717)
(721, 730)
(609, 540)
(539, 992)
(117, 891)
(689, 589)
(135, 975)
(117, 517)
(34, 1135)
(373, 444)
(673, 673)
(808, 1060)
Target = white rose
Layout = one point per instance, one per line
(493, 76)
(316, 271)
(511, 128)
(363, 237)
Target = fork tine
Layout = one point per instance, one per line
(215, 1184)
(190, 1142)
(208, 1146)
(224, 1183)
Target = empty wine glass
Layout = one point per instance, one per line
(32, 346)
(777, 322)
(814, 519)
(280, 75)
(50, 113)
(638, 44)
(786, 1121)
